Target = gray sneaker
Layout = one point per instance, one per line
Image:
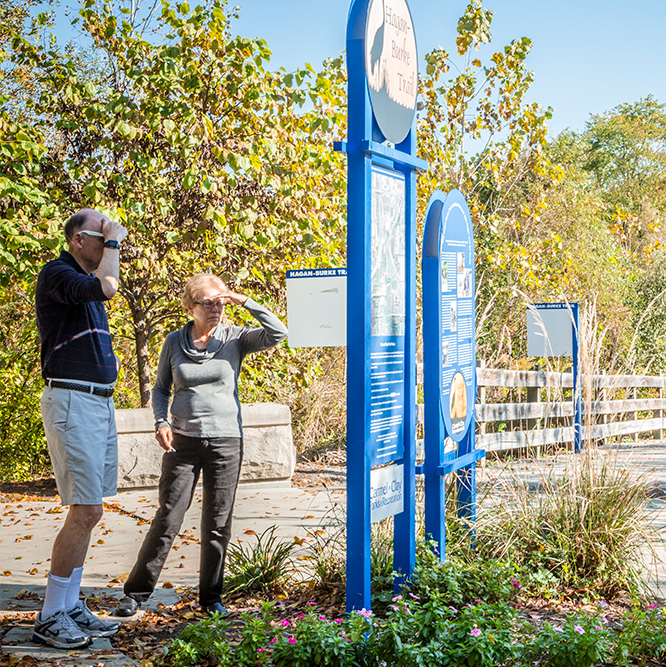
(91, 624)
(60, 631)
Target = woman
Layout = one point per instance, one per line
(199, 364)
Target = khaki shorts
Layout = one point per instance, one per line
(83, 444)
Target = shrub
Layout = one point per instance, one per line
(458, 582)
(587, 528)
(264, 565)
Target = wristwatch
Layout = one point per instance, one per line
(112, 243)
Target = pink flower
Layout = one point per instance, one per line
(393, 607)
(579, 630)
(366, 613)
(396, 598)
(299, 617)
(260, 650)
(475, 633)
(558, 630)
(516, 583)
(310, 604)
(415, 597)
(292, 640)
(285, 623)
(603, 604)
(337, 620)
(477, 600)
(453, 610)
(652, 606)
(273, 640)
(321, 618)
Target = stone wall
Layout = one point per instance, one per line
(269, 453)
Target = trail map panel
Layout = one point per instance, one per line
(388, 316)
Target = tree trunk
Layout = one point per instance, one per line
(141, 338)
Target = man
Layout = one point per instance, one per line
(79, 369)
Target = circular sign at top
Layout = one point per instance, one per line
(391, 66)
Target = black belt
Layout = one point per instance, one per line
(86, 388)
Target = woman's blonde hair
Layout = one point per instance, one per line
(196, 283)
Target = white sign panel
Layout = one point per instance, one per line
(549, 330)
(387, 492)
(317, 307)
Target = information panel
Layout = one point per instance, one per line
(457, 317)
(387, 342)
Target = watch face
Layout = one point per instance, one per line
(112, 244)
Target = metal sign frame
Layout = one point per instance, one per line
(576, 397)
(449, 361)
(366, 149)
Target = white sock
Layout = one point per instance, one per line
(74, 588)
(56, 592)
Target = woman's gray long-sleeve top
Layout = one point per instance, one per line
(205, 382)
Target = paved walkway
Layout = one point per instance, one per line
(27, 530)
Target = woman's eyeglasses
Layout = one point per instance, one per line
(209, 305)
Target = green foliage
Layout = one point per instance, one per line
(201, 642)
(642, 637)
(582, 641)
(425, 631)
(458, 583)
(261, 566)
(23, 452)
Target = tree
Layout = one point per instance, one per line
(626, 154)
(194, 145)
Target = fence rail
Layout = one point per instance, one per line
(602, 418)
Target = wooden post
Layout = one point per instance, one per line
(658, 414)
(534, 396)
(634, 415)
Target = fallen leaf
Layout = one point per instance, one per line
(249, 532)
(167, 584)
(33, 571)
(309, 516)
(6, 573)
(101, 542)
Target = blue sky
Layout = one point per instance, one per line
(588, 55)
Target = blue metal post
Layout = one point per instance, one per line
(404, 541)
(358, 316)
(435, 515)
(467, 478)
(577, 393)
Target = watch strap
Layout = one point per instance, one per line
(112, 243)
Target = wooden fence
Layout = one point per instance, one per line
(538, 420)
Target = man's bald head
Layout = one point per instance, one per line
(77, 221)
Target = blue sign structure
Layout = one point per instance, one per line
(381, 283)
(449, 359)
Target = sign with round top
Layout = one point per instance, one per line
(391, 66)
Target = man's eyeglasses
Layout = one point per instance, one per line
(91, 233)
(209, 305)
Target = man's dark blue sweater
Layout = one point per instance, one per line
(72, 323)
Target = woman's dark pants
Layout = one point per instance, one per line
(220, 460)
